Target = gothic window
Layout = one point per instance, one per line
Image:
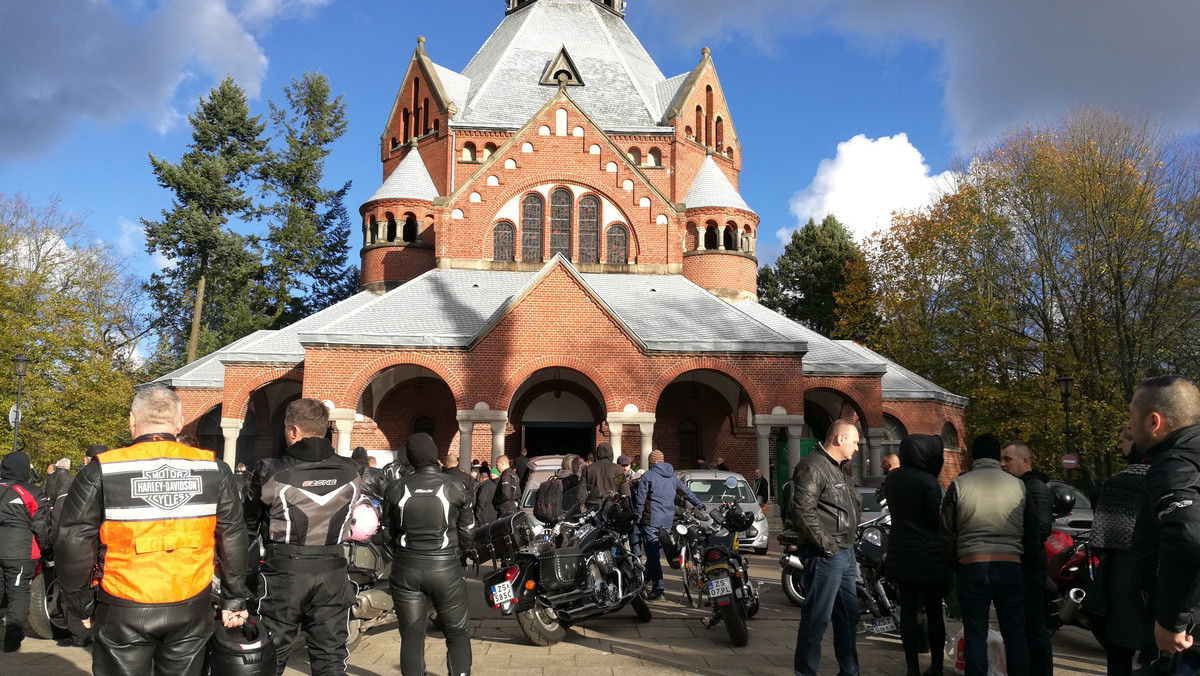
(720, 134)
(699, 124)
(617, 245)
(708, 105)
(531, 228)
(728, 237)
(425, 116)
(502, 242)
(560, 222)
(407, 121)
(409, 233)
(589, 230)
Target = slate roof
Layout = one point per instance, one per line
(409, 180)
(712, 189)
(825, 356)
(900, 383)
(207, 371)
(621, 89)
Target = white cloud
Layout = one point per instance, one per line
(1004, 64)
(864, 183)
(131, 239)
(161, 262)
(69, 61)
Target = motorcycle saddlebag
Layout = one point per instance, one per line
(362, 561)
(560, 569)
(501, 538)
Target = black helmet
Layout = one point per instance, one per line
(240, 651)
(1062, 498)
(738, 520)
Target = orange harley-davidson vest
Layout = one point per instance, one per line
(160, 506)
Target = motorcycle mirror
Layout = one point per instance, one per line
(730, 482)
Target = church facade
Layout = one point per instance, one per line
(557, 255)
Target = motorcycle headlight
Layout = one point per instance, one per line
(681, 529)
(874, 536)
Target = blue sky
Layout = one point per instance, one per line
(853, 106)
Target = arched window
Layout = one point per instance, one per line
(423, 424)
(409, 233)
(949, 437)
(589, 229)
(617, 245)
(687, 131)
(689, 444)
(436, 128)
(531, 227)
(635, 155)
(710, 237)
(708, 105)
(730, 236)
(699, 124)
(488, 150)
(893, 432)
(407, 120)
(502, 242)
(654, 158)
(391, 228)
(425, 116)
(560, 222)
(720, 134)
(468, 153)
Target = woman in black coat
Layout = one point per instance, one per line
(914, 559)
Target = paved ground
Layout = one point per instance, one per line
(674, 642)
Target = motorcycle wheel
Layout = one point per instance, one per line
(355, 636)
(46, 617)
(793, 586)
(641, 608)
(540, 626)
(691, 588)
(735, 624)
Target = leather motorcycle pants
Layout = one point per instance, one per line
(315, 603)
(442, 582)
(17, 575)
(166, 640)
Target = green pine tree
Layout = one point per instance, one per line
(811, 269)
(205, 297)
(308, 229)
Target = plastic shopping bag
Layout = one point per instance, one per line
(997, 661)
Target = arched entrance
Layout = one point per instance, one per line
(557, 410)
(705, 415)
(261, 435)
(400, 401)
(822, 407)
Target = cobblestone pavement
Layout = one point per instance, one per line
(674, 642)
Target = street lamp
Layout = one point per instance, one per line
(19, 364)
(1064, 389)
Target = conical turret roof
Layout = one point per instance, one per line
(409, 180)
(712, 189)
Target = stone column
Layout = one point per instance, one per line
(721, 237)
(497, 440)
(343, 422)
(762, 448)
(874, 441)
(700, 234)
(647, 430)
(614, 436)
(793, 445)
(465, 430)
(231, 428)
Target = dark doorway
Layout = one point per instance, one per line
(559, 438)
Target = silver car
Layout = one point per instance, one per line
(709, 486)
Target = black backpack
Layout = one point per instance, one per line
(547, 506)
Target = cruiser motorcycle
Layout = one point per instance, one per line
(550, 587)
(715, 573)
(876, 594)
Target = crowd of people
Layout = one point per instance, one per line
(984, 536)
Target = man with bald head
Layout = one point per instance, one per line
(1164, 419)
(1017, 459)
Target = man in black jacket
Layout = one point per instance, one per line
(521, 466)
(1164, 418)
(373, 482)
(826, 510)
(508, 492)
(427, 518)
(1017, 460)
(305, 499)
(22, 515)
(603, 477)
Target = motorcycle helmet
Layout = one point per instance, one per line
(1062, 497)
(738, 520)
(240, 651)
(364, 521)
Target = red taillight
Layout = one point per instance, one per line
(511, 574)
(714, 555)
(680, 561)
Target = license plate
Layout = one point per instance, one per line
(881, 626)
(719, 587)
(502, 592)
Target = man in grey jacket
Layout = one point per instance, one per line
(983, 524)
(826, 510)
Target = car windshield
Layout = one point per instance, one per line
(714, 491)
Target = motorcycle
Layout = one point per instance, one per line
(792, 562)
(1071, 567)
(47, 609)
(551, 587)
(715, 573)
(876, 595)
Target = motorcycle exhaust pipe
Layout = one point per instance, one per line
(793, 561)
(372, 603)
(1077, 595)
(575, 614)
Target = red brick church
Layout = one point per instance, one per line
(558, 255)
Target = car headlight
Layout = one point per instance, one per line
(760, 517)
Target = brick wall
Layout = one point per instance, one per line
(722, 270)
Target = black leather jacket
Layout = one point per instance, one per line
(825, 507)
(428, 514)
(1173, 490)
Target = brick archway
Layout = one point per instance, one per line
(239, 400)
(524, 372)
(757, 403)
(368, 372)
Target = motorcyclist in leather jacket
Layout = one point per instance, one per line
(427, 516)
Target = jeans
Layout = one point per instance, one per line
(653, 549)
(832, 594)
(979, 586)
(1037, 635)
